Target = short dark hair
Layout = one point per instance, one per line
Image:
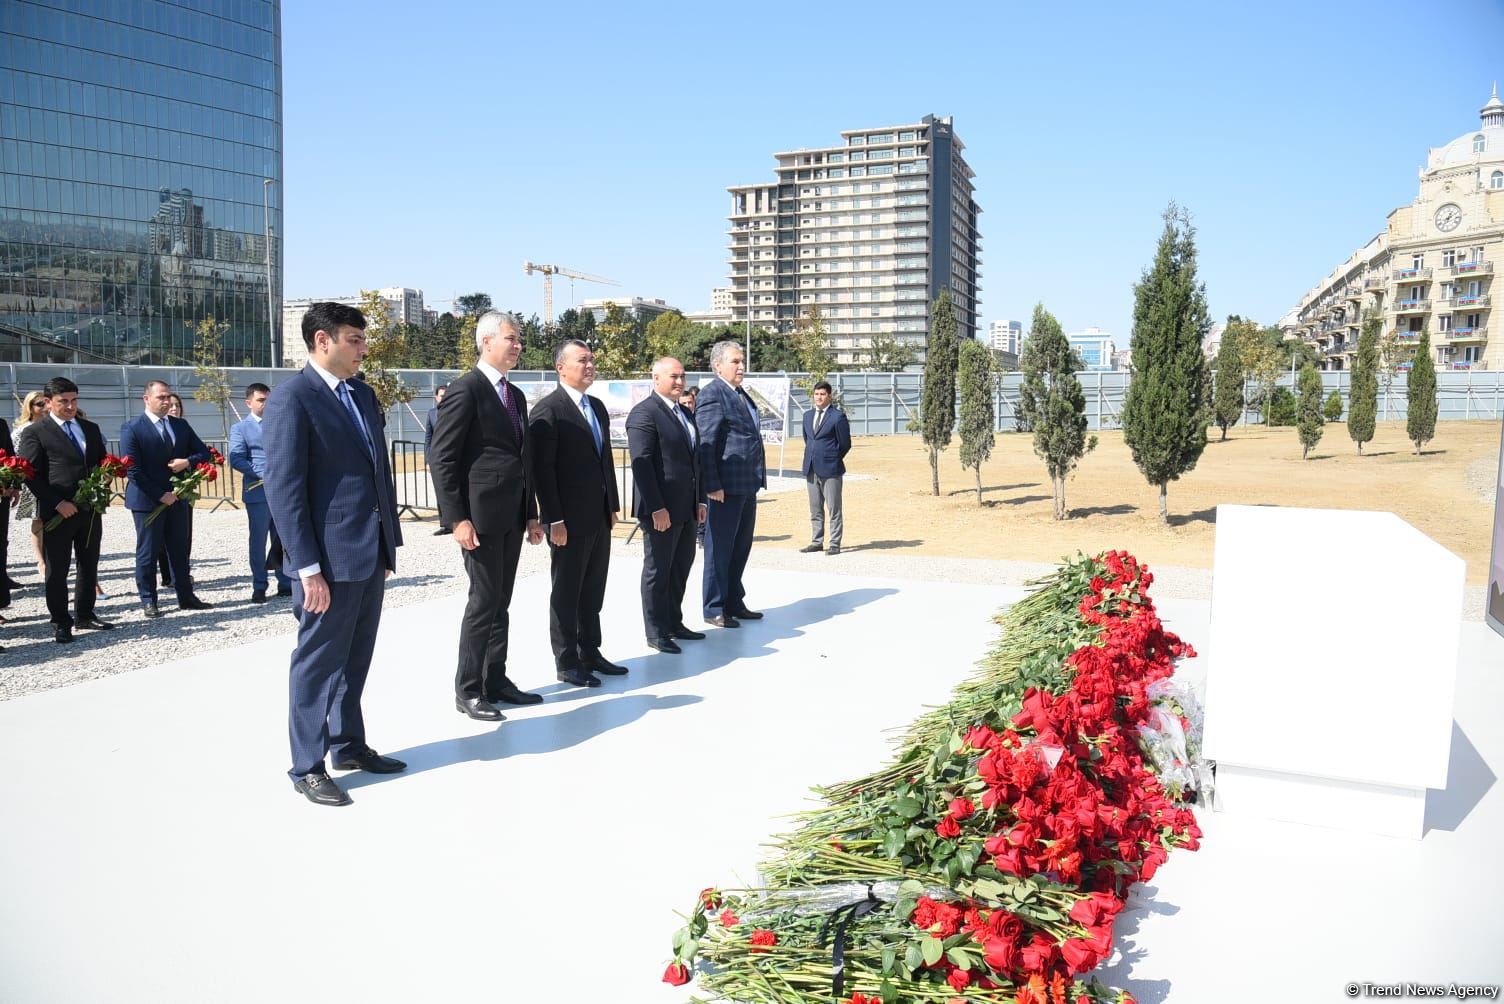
(691, 391)
(59, 385)
(155, 383)
(330, 317)
(443, 387)
(566, 343)
(821, 385)
(256, 388)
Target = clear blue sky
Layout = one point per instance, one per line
(437, 145)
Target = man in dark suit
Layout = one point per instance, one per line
(160, 447)
(478, 460)
(248, 456)
(329, 488)
(429, 424)
(827, 440)
(732, 469)
(572, 472)
(63, 448)
(667, 500)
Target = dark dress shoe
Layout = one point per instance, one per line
(442, 531)
(834, 549)
(62, 634)
(722, 622)
(685, 634)
(600, 664)
(258, 595)
(320, 789)
(478, 708)
(167, 581)
(371, 762)
(811, 549)
(510, 694)
(93, 624)
(578, 677)
(14, 584)
(664, 645)
(150, 610)
(194, 603)
(746, 615)
(284, 590)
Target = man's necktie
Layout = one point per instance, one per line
(504, 387)
(163, 432)
(349, 403)
(595, 429)
(747, 399)
(819, 417)
(684, 421)
(74, 437)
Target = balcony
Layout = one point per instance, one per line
(1375, 284)
(1411, 275)
(1476, 364)
(1466, 335)
(1407, 337)
(1473, 268)
(1412, 306)
(1354, 292)
(1335, 350)
(1476, 301)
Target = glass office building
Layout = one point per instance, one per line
(140, 178)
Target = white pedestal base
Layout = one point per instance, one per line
(1322, 801)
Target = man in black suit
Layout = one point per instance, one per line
(478, 462)
(429, 424)
(733, 470)
(827, 440)
(573, 474)
(667, 500)
(63, 448)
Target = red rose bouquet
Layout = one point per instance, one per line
(14, 471)
(93, 493)
(187, 484)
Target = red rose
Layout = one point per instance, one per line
(729, 919)
(962, 808)
(709, 899)
(959, 979)
(762, 939)
(676, 974)
(948, 828)
(1079, 955)
(1000, 954)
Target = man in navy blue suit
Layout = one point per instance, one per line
(160, 447)
(329, 487)
(732, 472)
(827, 440)
(248, 456)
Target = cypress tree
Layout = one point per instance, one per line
(1163, 416)
(1227, 394)
(937, 402)
(1052, 403)
(1420, 396)
(1308, 420)
(1363, 394)
(974, 382)
(1332, 410)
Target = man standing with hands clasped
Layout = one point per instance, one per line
(478, 459)
(576, 484)
(827, 440)
(667, 500)
(329, 488)
(248, 456)
(733, 470)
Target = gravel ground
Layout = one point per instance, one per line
(1482, 476)
(428, 568)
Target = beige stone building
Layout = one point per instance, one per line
(1431, 269)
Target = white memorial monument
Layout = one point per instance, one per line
(1332, 666)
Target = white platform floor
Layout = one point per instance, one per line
(152, 849)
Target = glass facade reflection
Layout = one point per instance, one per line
(135, 141)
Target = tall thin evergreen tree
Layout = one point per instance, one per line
(937, 402)
(1227, 394)
(975, 384)
(1420, 396)
(1363, 393)
(1308, 417)
(1052, 403)
(1163, 417)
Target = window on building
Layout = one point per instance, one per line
(1444, 322)
(1496, 180)
(1448, 258)
(1478, 143)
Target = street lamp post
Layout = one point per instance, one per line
(271, 297)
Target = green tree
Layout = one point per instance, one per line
(886, 354)
(213, 382)
(1332, 410)
(1420, 396)
(386, 351)
(1282, 407)
(974, 380)
(666, 334)
(537, 350)
(617, 351)
(1363, 392)
(465, 350)
(1051, 402)
(937, 401)
(1227, 392)
(473, 304)
(1163, 416)
(1261, 360)
(1308, 420)
(811, 348)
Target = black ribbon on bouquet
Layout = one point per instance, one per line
(843, 916)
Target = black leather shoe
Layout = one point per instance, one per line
(62, 634)
(578, 677)
(194, 603)
(14, 584)
(371, 762)
(92, 623)
(320, 789)
(811, 549)
(478, 708)
(284, 590)
(834, 549)
(685, 634)
(722, 622)
(258, 595)
(442, 531)
(510, 694)
(600, 664)
(747, 615)
(150, 610)
(664, 645)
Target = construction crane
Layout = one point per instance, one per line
(549, 271)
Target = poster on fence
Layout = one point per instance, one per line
(1494, 614)
(617, 395)
(771, 395)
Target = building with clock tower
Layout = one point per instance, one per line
(1433, 268)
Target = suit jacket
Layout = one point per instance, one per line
(479, 465)
(248, 456)
(148, 478)
(58, 466)
(429, 424)
(665, 472)
(731, 454)
(574, 483)
(332, 500)
(825, 451)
